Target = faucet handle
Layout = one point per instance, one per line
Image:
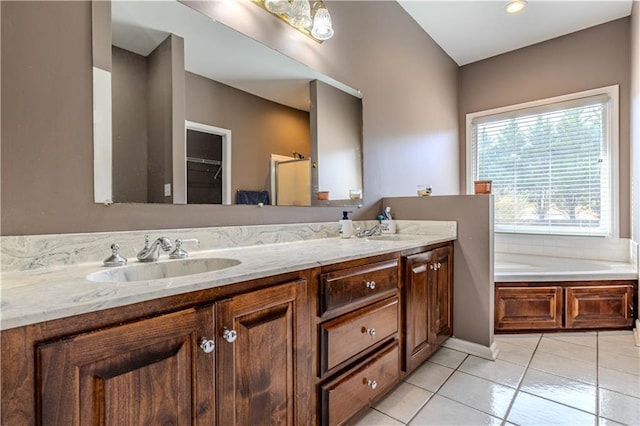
(179, 252)
(115, 259)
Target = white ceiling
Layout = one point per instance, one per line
(470, 31)
(215, 51)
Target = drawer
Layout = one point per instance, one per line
(599, 306)
(350, 288)
(353, 333)
(349, 393)
(528, 308)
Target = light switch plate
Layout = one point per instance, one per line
(167, 190)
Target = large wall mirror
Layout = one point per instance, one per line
(187, 110)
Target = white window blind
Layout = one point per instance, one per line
(550, 164)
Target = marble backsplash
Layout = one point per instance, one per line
(35, 252)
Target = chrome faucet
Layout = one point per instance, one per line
(150, 253)
(374, 230)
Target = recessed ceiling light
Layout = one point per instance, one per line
(515, 6)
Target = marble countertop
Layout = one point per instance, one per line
(29, 297)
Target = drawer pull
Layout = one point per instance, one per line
(370, 331)
(229, 335)
(371, 383)
(370, 284)
(207, 346)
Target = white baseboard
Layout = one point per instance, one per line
(486, 352)
(636, 332)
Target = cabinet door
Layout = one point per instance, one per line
(148, 372)
(262, 366)
(416, 327)
(599, 306)
(441, 307)
(528, 308)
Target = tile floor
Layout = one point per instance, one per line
(538, 379)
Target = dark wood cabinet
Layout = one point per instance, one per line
(428, 304)
(241, 360)
(262, 370)
(528, 308)
(584, 305)
(607, 306)
(358, 336)
(147, 372)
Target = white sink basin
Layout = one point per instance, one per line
(160, 270)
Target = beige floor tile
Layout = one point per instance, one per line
(526, 340)
(619, 381)
(620, 408)
(532, 410)
(376, 418)
(404, 402)
(430, 376)
(570, 368)
(498, 371)
(568, 350)
(621, 347)
(481, 394)
(606, 422)
(559, 389)
(441, 411)
(589, 339)
(619, 362)
(516, 354)
(448, 357)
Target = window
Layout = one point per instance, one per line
(553, 163)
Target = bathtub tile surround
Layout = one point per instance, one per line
(479, 391)
(605, 249)
(44, 277)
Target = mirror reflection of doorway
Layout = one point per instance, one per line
(204, 168)
(208, 159)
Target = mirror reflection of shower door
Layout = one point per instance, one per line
(293, 183)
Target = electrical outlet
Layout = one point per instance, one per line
(167, 190)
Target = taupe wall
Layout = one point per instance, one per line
(595, 57)
(129, 114)
(410, 117)
(165, 112)
(259, 128)
(473, 285)
(635, 121)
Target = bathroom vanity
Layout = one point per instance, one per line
(315, 343)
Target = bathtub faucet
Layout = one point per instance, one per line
(150, 253)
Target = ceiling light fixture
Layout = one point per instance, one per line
(312, 20)
(515, 6)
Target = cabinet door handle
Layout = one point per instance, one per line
(370, 284)
(371, 383)
(439, 265)
(370, 331)
(207, 345)
(229, 335)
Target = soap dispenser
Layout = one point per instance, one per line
(345, 226)
(387, 224)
